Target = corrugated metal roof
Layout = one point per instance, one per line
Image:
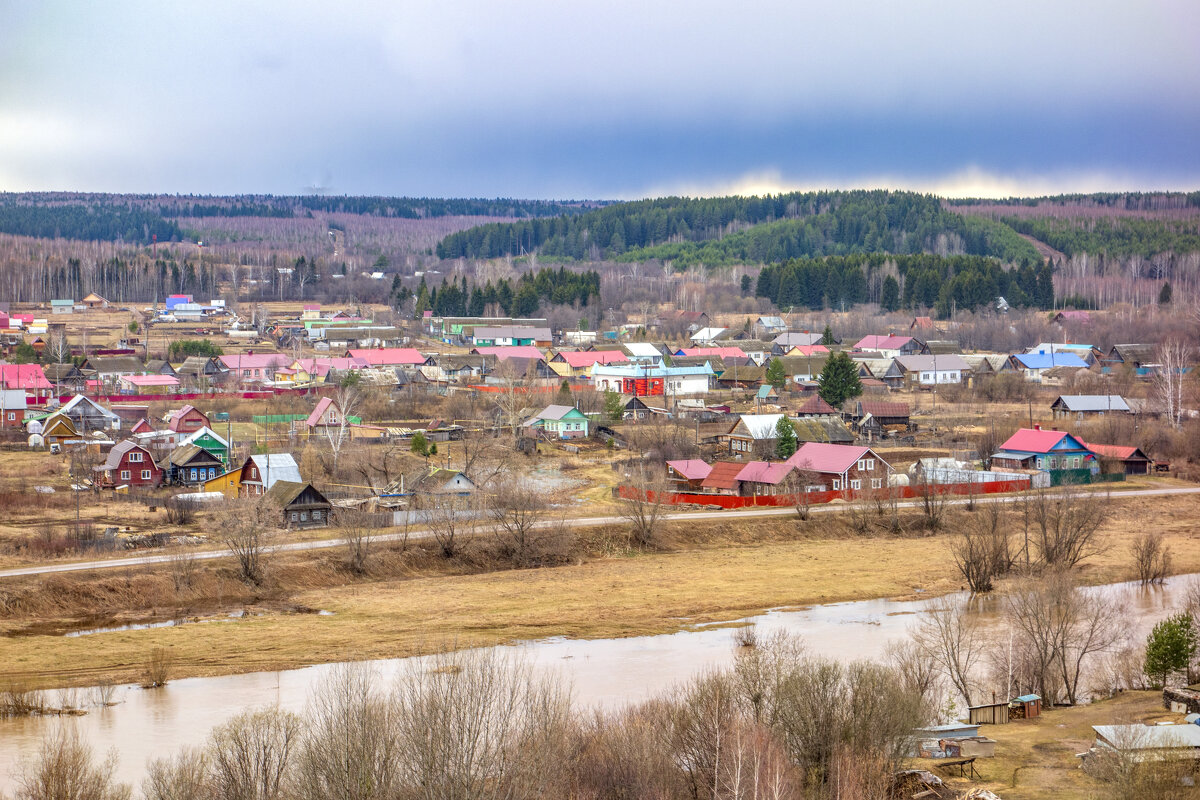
(761, 426)
(890, 342)
(1032, 440)
(1149, 737)
(1093, 402)
(1049, 360)
(792, 339)
(723, 475)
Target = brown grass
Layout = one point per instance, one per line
(715, 571)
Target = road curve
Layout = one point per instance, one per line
(322, 544)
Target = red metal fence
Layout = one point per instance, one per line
(727, 501)
(262, 394)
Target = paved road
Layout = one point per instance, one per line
(321, 544)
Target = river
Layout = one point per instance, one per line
(146, 724)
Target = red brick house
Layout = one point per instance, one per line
(188, 419)
(841, 467)
(128, 464)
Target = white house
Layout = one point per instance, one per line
(926, 370)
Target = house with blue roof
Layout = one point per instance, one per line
(1035, 365)
(1062, 456)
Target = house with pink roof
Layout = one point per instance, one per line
(388, 356)
(148, 384)
(30, 378)
(687, 474)
(889, 346)
(326, 414)
(580, 363)
(1048, 451)
(840, 467)
(721, 352)
(255, 367)
(764, 478)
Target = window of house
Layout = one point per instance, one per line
(295, 516)
(124, 474)
(862, 465)
(855, 484)
(145, 474)
(876, 483)
(135, 458)
(317, 514)
(12, 416)
(193, 473)
(254, 472)
(837, 484)
(1039, 463)
(304, 516)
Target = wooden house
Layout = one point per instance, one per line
(841, 467)
(687, 475)
(190, 465)
(187, 420)
(722, 478)
(260, 472)
(302, 506)
(1056, 452)
(128, 464)
(751, 433)
(560, 422)
(644, 408)
(57, 428)
(93, 301)
(13, 403)
(227, 483)
(325, 415)
(1121, 458)
(88, 415)
(1089, 405)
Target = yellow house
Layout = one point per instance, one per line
(228, 484)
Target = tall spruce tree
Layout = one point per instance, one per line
(838, 381)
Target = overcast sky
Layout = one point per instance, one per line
(613, 99)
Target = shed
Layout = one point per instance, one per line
(989, 714)
(1027, 706)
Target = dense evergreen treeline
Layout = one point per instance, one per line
(738, 229)
(137, 218)
(1116, 237)
(522, 299)
(1130, 201)
(91, 222)
(908, 281)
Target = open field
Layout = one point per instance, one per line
(414, 600)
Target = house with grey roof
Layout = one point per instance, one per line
(1081, 405)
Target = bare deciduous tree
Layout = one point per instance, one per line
(450, 518)
(642, 505)
(1174, 357)
(982, 549)
(65, 769)
(350, 744)
(356, 537)
(246, 526)
(950, 634)
(250, 755)
(1065, 524)
(1062, 628)
(525, 524)
(933, 500)
(347, 399)
(183, 777)
(1151, 557)
(479, 724)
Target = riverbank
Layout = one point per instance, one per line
(417, 602)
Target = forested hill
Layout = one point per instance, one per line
(769, 229)
(138, 218)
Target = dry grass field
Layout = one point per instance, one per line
(412, 601)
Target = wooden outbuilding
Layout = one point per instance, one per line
(1027, 706)
(989, 714)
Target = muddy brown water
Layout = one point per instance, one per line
(148, 724)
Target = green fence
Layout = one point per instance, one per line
(1079, 477)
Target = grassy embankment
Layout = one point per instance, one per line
(415, 601)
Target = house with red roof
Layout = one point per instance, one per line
(1128, 458)
(1050, 451)
(840, 467)
(814, 407)
(723, 478)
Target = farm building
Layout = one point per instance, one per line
(1122, 458)
(687, 475)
